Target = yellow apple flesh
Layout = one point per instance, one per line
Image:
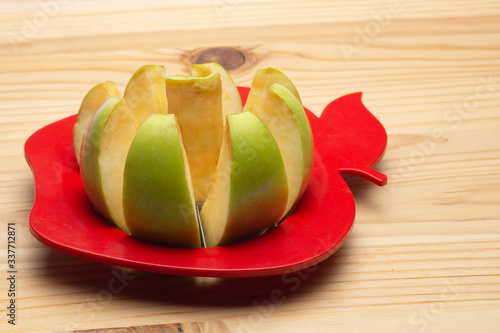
(197, 104)
(285, 117)
(263, 80)
(231, 100)
(250, 190)
(146, 92)
(90, 104)
(104, 150)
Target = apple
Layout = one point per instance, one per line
(90, 104)
(145, 92)
(176, 143)
(104, 150)
(250, 190)
(263, 80)
(285, 117)
(158, 197)
(197, 103)
(231, 100)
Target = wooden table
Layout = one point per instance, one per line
(424, 254)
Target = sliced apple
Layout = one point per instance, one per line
(250, 190)
(174, 142)
(145, 92)
(197, 103)
(263, 80)
(158, 198)
(231, 100)
(104, 150)
(285, 117)
(90, 104)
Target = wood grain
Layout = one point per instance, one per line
(206, 327)
(424, 254)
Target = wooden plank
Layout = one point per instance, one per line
(424, 252)
(205, 327)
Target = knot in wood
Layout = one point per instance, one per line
(228, 57)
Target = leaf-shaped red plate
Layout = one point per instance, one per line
(348, 140)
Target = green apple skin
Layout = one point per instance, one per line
(158, 198)
(263, 80)
(104, 150)
(285, 117)
(90, 104)
(250, 189)
(146, 92)
(197, 104)
(231, 100)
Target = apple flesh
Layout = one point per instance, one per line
(146, 92)
(285, 117)
(104, 150)
(90, 104)
(231, 100)
(263, 80)
(197, 104)
(250, 189)
(157, 193)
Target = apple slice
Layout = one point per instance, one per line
(145, 92)
(250, 190)
(263, 80)
(104, 150)
(285, 117)
(197, 104)
(231, 100)
(90, 104)
(157, 194)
